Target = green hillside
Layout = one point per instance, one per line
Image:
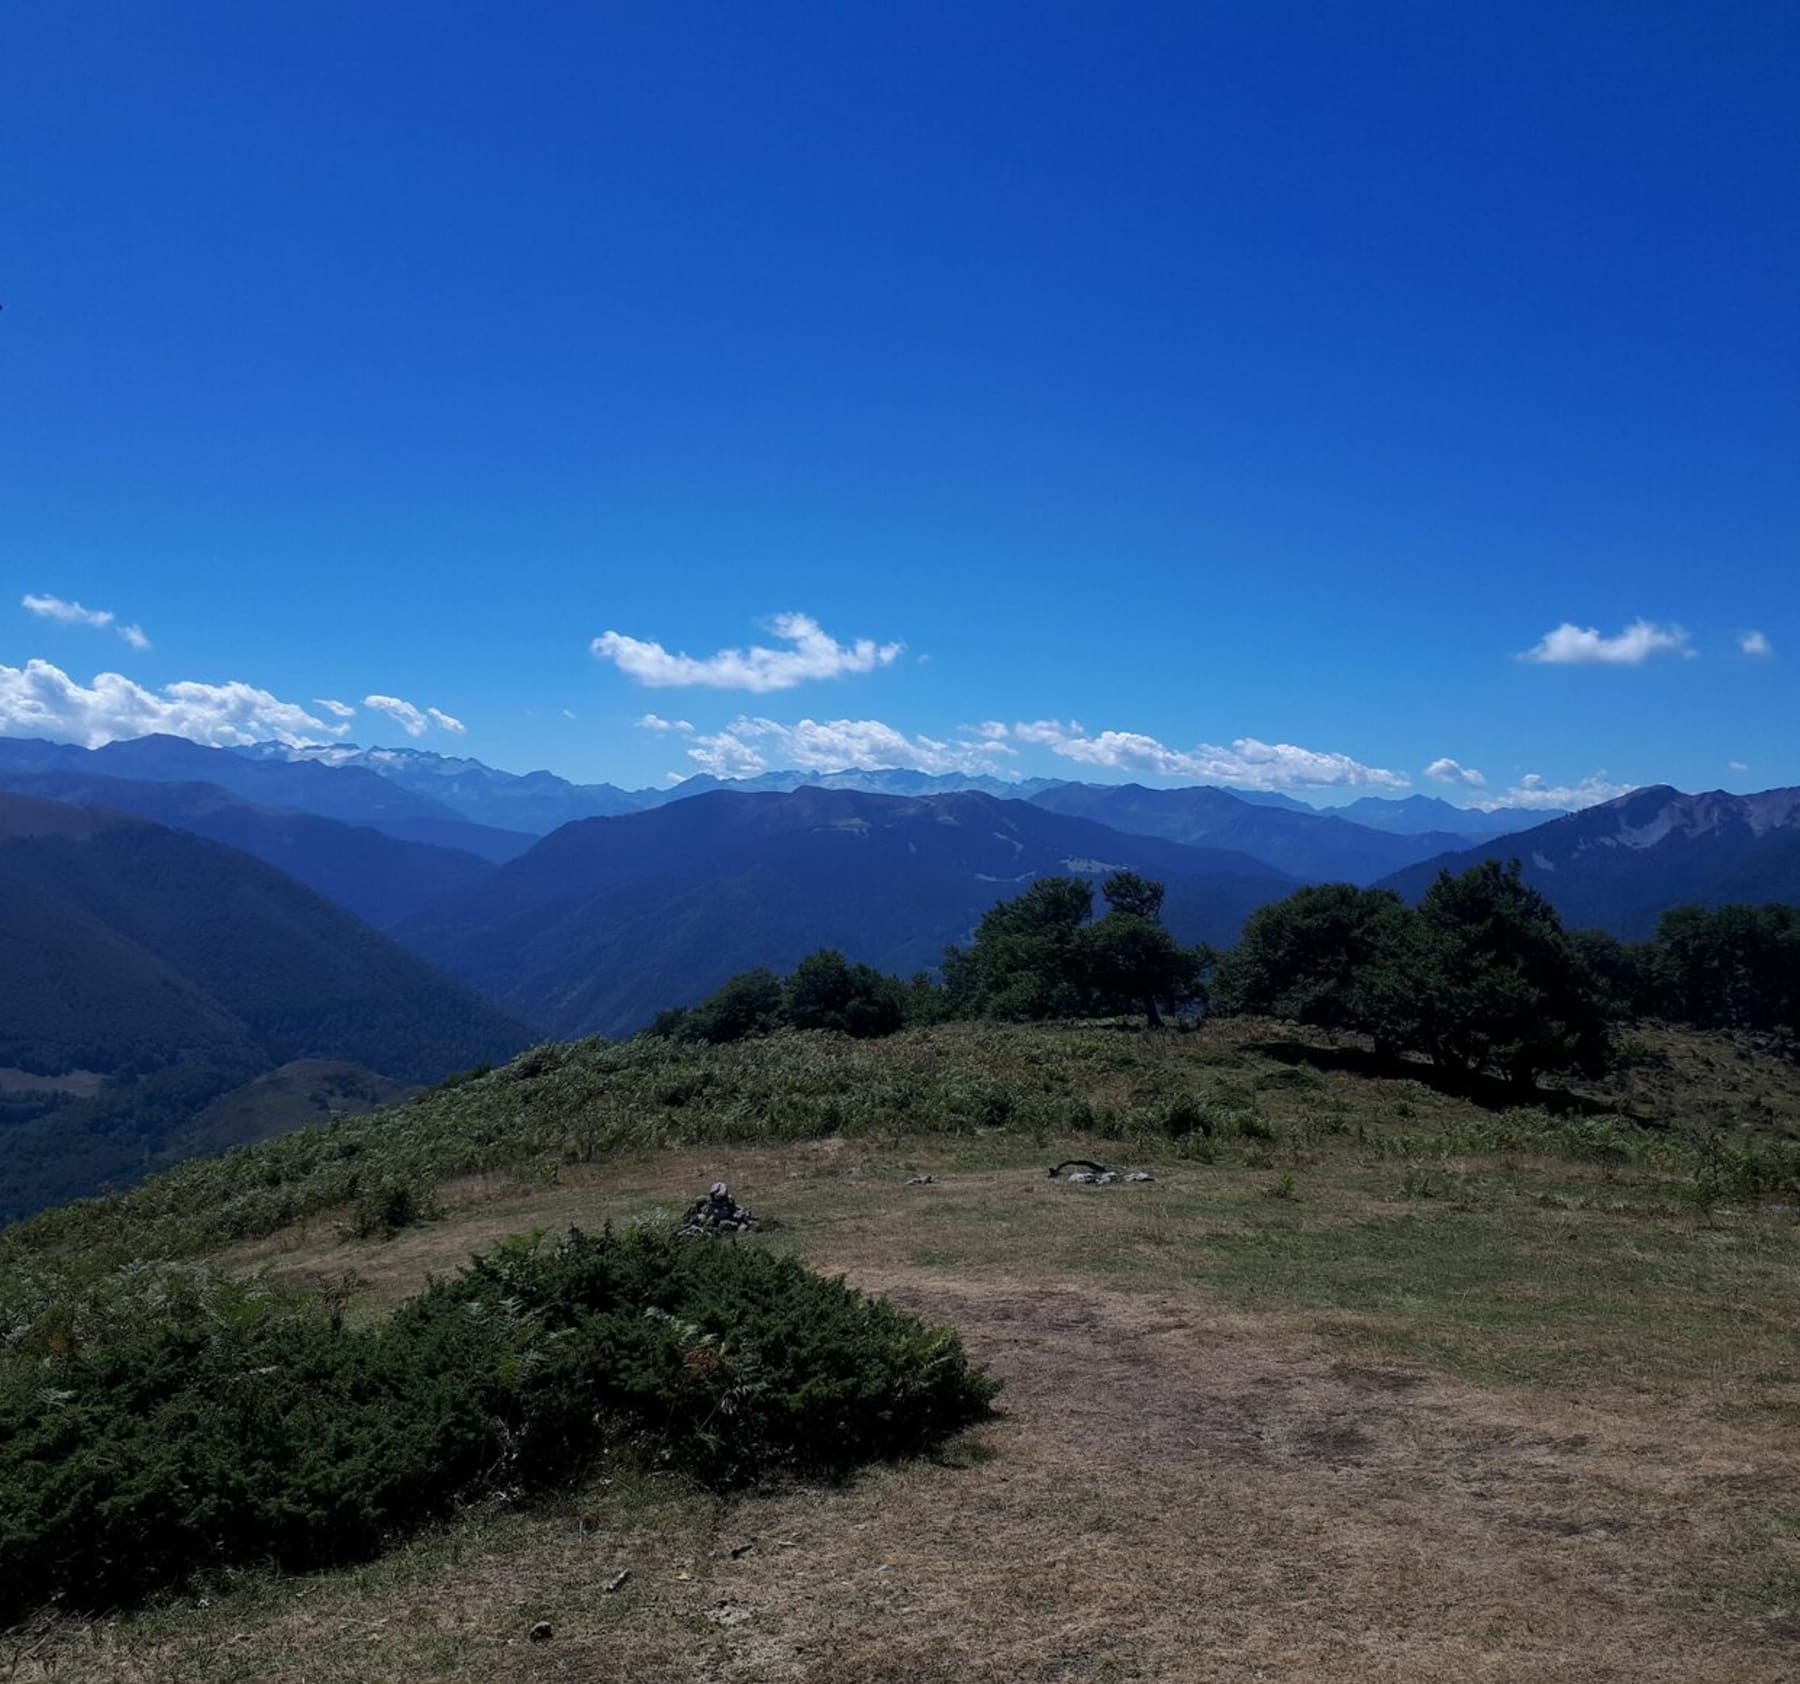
(178, 968)
(1433, 1354)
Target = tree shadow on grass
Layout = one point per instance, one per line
(1489, 1092)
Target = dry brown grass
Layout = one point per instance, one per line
(1181, 1486)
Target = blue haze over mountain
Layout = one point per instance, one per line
(608, 920)
(1621, 865)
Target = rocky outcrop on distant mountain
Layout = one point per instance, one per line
(1621, 865)
(349, 794)
(534, 802)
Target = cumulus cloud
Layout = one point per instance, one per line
(1532, 791)
(1446, 771)
(73, 614)
(41, 700)
(655, 722)
(413, 721)
(1571, 645)
(1756, 645)
(1247, 763)
(750, 745)
(812, 653)
(340, 710)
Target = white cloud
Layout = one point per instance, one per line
(403, 714)
(1047, 732)
(1756, 645)
(1532, 791)
(70, 613)
(1247, 763)
(1446, 771)
(814, 654)
(41, 700)
(73, 614)
(413, 721)
(342, 710)
(1573, 645)
(1737, 766)
(655, 722)
(748, 745)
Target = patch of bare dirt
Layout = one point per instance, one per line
(1170, 1495)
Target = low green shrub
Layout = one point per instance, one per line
(1291, 1078)
(384, 1209)
(1184, 1116)
(167, 1422)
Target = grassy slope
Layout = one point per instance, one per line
(295, 1095)
(1369, 1383)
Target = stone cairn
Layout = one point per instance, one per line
(715, 1216)
(1084, 1172)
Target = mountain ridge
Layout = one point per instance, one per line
(176, 968)
(1620, 865)
(350, 794)
(607, 921)
(1309, 845)
(379, 877)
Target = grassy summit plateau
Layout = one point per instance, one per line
(1374, 1380)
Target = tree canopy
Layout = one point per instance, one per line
(1044, 955)
(1480, 976)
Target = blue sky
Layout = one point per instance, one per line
(1221, 392)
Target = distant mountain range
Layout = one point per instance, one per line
(1621, 865)
(539, 802)
(533, 802)
(189, 946)
(176, 968)
(607, 921)
(884, 781)
(1309, 845)
(378, 877)
(350, 794)
(1422, 815)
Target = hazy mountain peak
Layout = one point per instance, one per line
(1621, 864)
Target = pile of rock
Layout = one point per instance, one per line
(1086, 1173)
(714, 1216)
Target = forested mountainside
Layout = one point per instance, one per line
(606, 922)
(172, 968)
